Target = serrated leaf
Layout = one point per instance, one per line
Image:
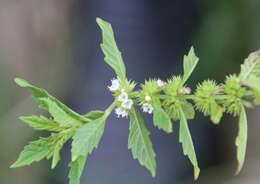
(187, 144)
(140, 143)
(251, 66)
(39, 94)
(241, 140)
(92, 115)
(88, 137)
(41, 123)
(160, 118)
(109, 47)
(76, 169)
(36, 151)
(59, 115)
(189, 64)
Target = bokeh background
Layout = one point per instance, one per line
(55, 45)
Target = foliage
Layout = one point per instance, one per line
(167, 101)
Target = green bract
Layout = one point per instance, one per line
(166, 101)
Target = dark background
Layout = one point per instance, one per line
(55, 44)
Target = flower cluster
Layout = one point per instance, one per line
(125, 103)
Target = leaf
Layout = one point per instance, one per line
(112, 54)
(189, 64)
(63, 138)
(41, 123)
(161, 118)
(88, 137)
(187, 144)
(76, 169)
(241, 140)
(140, 143)
(40, 94)
(94, 114)
(188, 110)
(35, 151)
(59, 115)
(253, 82)
(251, 66)
(216, 112)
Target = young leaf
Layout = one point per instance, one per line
(76, 169)
(36, 151)
(59, 115)
(39, 94)
(92, 115)
(241, 140)
(140, 143)
(41, 123)
(161, 118)
(187, 144)
(188, 110)
(189, 63)
(88, 137)
(251, 66)
(112, 54)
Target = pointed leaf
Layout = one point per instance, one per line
(140, 143)
(241, 140)
(41, 123)
(36, 151)
(88, 137)
(187, 144)
(161, 118)
(76, 169)
(92, 115)
(216, 112)
(112, 54)
(40, 94)
(189, 64)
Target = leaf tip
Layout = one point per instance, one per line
(21, 82)
(196, 172)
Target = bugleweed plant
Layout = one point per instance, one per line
(166, 101)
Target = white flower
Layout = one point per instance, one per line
(115, 84)
(147, 108)
(121, 113)
(147, 98)
(127, 104)
(122, 97)
(160, 83)
(185, 90)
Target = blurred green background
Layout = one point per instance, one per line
(41, 41)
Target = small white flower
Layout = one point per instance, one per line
(185, 90)
(121, 113)
(115, 85)
(147, 108)
(122, 97)
(160, 83)
(127, 104)
(147, 98)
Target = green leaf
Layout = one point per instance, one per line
(88, 137)
(76, 169)
(92, 115)
(112, 54)
(59, 115)
(161, 118)
(40, 94)
(188, 110)
(36, 151)
(187, 144)
(41, 123)
(189, 64)
(241, 140)
(253, 82)
(140, 143)
(63, 138)
(216, 112)
(251, 66)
